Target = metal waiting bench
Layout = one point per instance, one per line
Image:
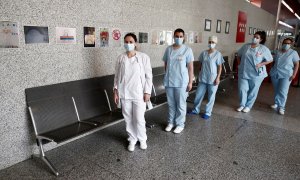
(61, 112)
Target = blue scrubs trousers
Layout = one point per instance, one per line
(177, 105)
(248, 90)
(211, 94)
(281, 87)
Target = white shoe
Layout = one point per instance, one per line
(143, 145)
(246, 109)
(274, 106)
(240, 108)
(131, 147)
(178, 130)
(169, 127)
(281, 111)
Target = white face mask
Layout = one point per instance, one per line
(212, 45)
(129, 47)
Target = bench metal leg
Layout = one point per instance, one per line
(45, 159)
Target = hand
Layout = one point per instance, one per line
(258, 65)
(292, 77)
(146, 97)
(217, 81)
(189, 87)
(116, 97)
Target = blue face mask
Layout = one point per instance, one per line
(211, 46)
(129, 47)
(255, 41)
(286, 46)
(178, 41)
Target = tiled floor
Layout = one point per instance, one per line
(231, 145)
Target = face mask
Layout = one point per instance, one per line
(286, 46)
(178, 41)
(211, 46)
(255, 41)
(129, 47)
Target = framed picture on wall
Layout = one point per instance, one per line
(207, 25)
(218, 29)
(250, 31)
(227, 26)
(254, 31)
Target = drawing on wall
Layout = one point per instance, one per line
(227, 27)
(250, 31)
(253, 31)
(89, 36)
(116, 37)
(207, 25)
(191, 37)
(155, 37)
(104, 37)
(65, 35)
(169, 38)
(9, 34)
(162, 37)
(36, 34)
(198, 37)
(219, 23)
(143, 37)
(241, 27)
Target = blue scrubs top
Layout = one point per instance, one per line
(284, 63)
(250, 57)
(209, 68)
(177, 61)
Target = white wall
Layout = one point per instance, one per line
(43, 64)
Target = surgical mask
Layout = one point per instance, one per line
(255, 41)
(211, 46)
(286, 46)
(129, 47)
(178, 41)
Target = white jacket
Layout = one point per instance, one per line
(145, 69)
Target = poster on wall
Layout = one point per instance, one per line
(162, 37)
(9, 34)
(116, 37)
(241, 27)
(36, 34)
(104, 37)
(89, 36)
(191, 36)
(65, 35)
(155, 37)
(198, 37)
(169, 38)
(143, 37)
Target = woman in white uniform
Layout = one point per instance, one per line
(286, 64)
(132, 88)
(253, 59)
(211, 61)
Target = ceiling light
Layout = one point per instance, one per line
(297, 16)
(285, 24)
(287, 6)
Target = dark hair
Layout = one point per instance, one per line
(179, 30)
(131, 35)
(263, 36)
(288, 38)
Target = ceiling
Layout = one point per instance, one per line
(285, 14)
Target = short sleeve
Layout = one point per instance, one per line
(165, 57)
(267, 55)
(295, 56)
(189, 56)
(220, 59)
